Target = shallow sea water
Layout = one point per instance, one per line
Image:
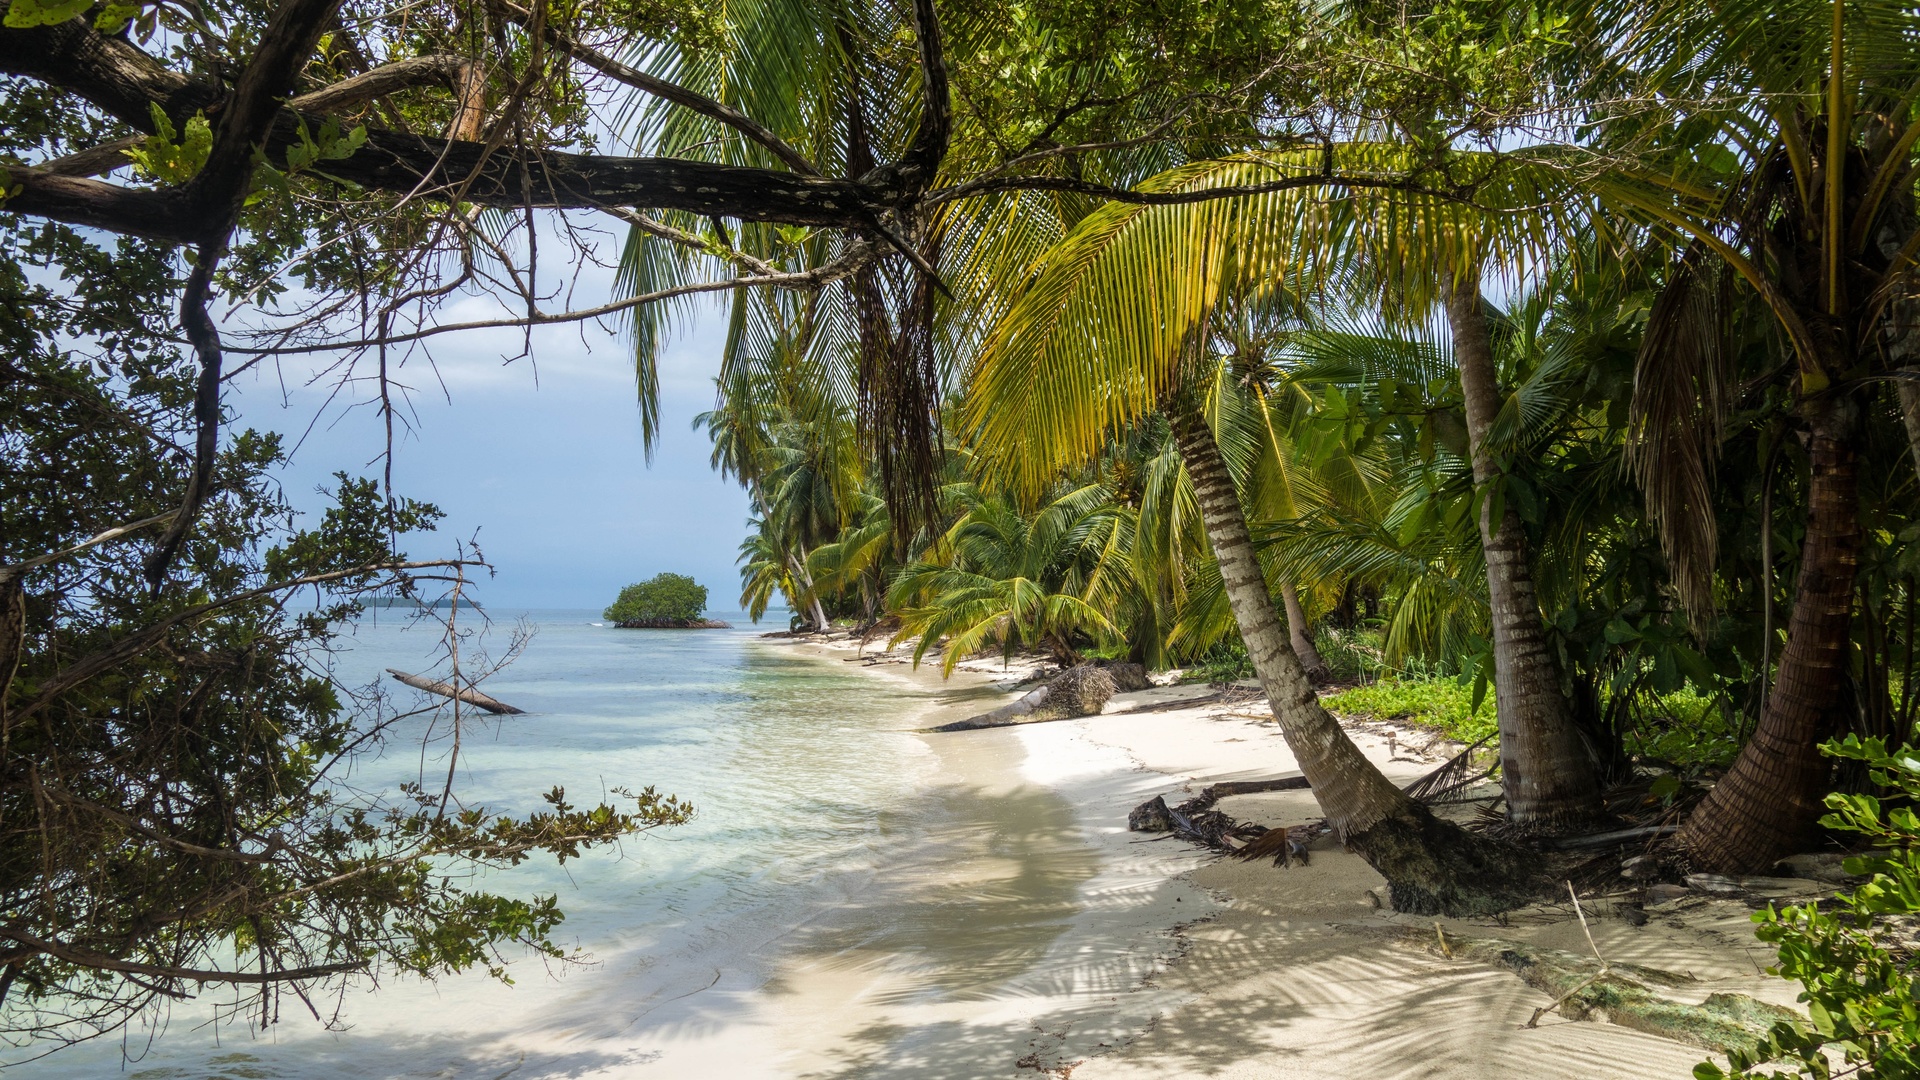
(834, 854)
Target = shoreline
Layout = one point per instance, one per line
(1096, 986)
(1283, 973)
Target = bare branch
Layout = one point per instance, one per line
(809, 279)
(8, 573)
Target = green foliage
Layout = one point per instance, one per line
(25, 14)
(1002, 577)
(1436, 703)
(1687, 729)
(1223, 662)
(673, 598)
(1855, 961)
(1352, 656)
(160, 157)
(173, 776)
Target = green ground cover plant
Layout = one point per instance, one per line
(1441, 703)
(1856, 959)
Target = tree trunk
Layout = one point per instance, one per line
(1300, 635)
(1766, 806)
(1430, 865)
(814, 611)
(1549, 776)
(461, 693)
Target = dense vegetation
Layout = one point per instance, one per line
(663, 598)
(1478, 351)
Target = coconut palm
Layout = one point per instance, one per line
(1000, 577)
(1772, 143)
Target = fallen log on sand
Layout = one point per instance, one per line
(469, 695)
(1586, 988)
(1198, 822)
(1081, 690)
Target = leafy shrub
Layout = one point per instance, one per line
(1225, 662)
(1859, 978)
(1352, 656)
(662, 598)
(1438, 704)
(1685, 728)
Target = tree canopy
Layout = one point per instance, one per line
(663, 598)
(1562, 349)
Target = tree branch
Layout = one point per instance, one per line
(807, 279)
(990, 185)
(441, 70)
(147, 637)
(87, 958)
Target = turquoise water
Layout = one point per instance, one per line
(788, 762)
(824, 830)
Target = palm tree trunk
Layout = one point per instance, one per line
(814, 611)
(1549, 775)
(1300, 636)
(1430, 865)
(1766, 806)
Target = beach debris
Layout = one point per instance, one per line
(1081, 690)
(1605, 968)
(1667, 894)
(1609, 839)
(466, 694)
(1126, 677)
(1640, 868)
(1151, 816)
(1454, 778)
(1198, 822)
(1592, 989)
(1714, 884)
(1282, 846)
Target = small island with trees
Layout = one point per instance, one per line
(663, 602)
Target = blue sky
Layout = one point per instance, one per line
(541, 455)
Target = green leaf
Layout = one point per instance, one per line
(26, 14)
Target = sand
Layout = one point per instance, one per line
(1280, 978)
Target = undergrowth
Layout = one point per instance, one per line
(1442, 704)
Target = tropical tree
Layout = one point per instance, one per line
(1779, 151)
(1001, 577)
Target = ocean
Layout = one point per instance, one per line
(847, 901)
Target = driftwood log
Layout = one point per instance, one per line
(1196, 821)
(1081, 690)
(469, 695)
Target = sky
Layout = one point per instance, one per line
(540, 457)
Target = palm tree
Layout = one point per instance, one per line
(1000, 576)
(1781, 150)
(1099, 339)
(1546, 770)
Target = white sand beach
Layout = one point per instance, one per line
(1245, 970)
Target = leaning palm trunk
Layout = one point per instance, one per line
(1766, 806)
(815, 613)
(1548, 773)
(1430, 865)
(1300, 636)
